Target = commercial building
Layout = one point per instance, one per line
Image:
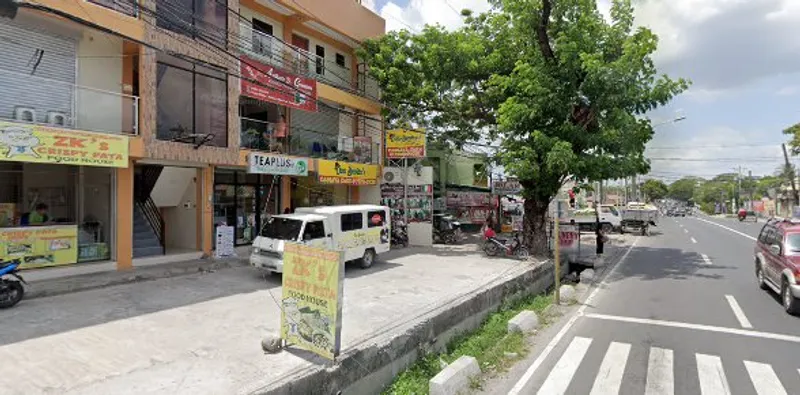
(136, 128)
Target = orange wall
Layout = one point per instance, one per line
(105, 17)
(345, 16)
(124, 234)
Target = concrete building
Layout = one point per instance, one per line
(133, 125)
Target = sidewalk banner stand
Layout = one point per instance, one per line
(311, 300)
(39, 246)
(224, 246)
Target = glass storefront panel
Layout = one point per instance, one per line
(308, 192)
(244, 201)
(55, 214)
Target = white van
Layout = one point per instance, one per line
(361, 231)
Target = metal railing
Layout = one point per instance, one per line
(261, 135)
(276, 52)
(32, 99)
(127, 7)
(304, 142)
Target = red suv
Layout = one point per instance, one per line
(778, 261)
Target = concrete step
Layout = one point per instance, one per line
(147, 242)
(147, 251)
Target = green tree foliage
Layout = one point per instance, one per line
(683, 189)
(655, 189)
(563, 90)
(794, 142)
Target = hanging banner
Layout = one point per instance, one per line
(40, 246)
(311, 300)
(507, 187)
(20, 142)
(274, 85)
(336, 172)
(401, 143)
(260, 163)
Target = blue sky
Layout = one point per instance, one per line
(743, 60)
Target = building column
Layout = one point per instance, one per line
(205, 209)
(124, 216)
(286, 193)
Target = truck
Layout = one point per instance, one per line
(586, 219)
(360, 231)
(638, 217)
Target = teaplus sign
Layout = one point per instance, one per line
(260, 163)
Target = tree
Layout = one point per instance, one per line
(560, 89)
(654, 189)
(682, 189)
(794, 143)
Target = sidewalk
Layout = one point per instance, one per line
(200, 333)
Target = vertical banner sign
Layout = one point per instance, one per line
(401, 143)
(311, 303)
(274, 85)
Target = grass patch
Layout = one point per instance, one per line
(488, 344)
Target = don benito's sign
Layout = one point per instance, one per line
(259, 163)
(311, 313)
(21, 142)
(507, 187)
(402, 143)
(336, 172)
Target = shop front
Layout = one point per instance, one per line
(244, 201)
(333, 183)
(57, 195)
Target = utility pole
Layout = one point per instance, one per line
(790, 173)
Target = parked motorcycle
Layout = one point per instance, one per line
(399, 234)
(11, 290)
(494, 246)
(446, 229)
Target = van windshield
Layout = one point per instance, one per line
(282, 228)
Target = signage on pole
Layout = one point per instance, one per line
(506, 187)
(311, 300)
(261, 163)
(402, 143)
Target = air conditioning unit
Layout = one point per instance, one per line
(392, 175)
(57, 118)
(24, 114)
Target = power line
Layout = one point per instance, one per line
(742, 145)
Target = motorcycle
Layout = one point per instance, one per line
(446, 229)
(399, 234)
(11, 291)
(493, 246)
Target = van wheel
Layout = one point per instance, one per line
(607, 228)
(790, 303)
(368, 259)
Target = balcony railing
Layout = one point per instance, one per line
(127, 7)
(274, 51)
(261, 136)
(33, 99)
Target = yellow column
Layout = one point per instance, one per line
(124, 215)
(205, 208)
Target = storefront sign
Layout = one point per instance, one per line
(567, 235)
(401, 143)
(21, 142)
(260, 163)
(274, 85)
(420, 200)
(507, 187)
(467, 199)
(40, 246)
(311, 314)
(335, 172)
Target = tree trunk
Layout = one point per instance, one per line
(536, 227)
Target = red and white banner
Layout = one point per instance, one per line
(278, 86)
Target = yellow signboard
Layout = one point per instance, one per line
(21, 142)
(402, 143)
(311, 303)
(40, 246)
(335, 172)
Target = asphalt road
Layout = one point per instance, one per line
(680, 314)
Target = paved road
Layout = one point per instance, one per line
(681, 314)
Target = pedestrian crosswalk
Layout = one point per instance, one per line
(660, 371)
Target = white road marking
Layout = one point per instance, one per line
(764, 379)
(685, 230)
(737, 311)
(660, 376)
(526, 377)
(681, 225)
(698, 327)
(711, 375)
(694, 241)
(559, 378)
(728, 229)
(706, 259)
(609, 378)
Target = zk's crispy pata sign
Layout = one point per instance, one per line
(401, 143)
(21, 142)
(335, 172)
(311, 314)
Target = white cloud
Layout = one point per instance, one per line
(790, 90)
(418, 13)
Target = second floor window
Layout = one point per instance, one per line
(200, 19)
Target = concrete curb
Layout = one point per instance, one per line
(368, 366)
(456, 378)
(86, 282)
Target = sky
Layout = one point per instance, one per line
(742, 56)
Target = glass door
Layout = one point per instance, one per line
(246, 211)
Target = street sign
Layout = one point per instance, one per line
(506, 187)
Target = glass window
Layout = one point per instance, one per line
(204, 19)
(353, 221)
(762, 237)
(174, 102)
(793, 243)
(314, 230)
(211, 109)
(282, 229)
(376, 218)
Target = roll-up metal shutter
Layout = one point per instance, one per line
(315, 132)
(51, 86)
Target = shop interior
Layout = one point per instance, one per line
(308, 192)
(244, 201)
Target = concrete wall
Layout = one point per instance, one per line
(345, 16)
(181, 219)
(99, 105)
(171, 186)
(457, 168)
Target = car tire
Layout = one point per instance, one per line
(607, 228)
(790, 303)
(762, 282)
(368, 259)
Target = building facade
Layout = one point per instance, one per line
(132, 129)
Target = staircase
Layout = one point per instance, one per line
(148, 225)
(145, 240)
